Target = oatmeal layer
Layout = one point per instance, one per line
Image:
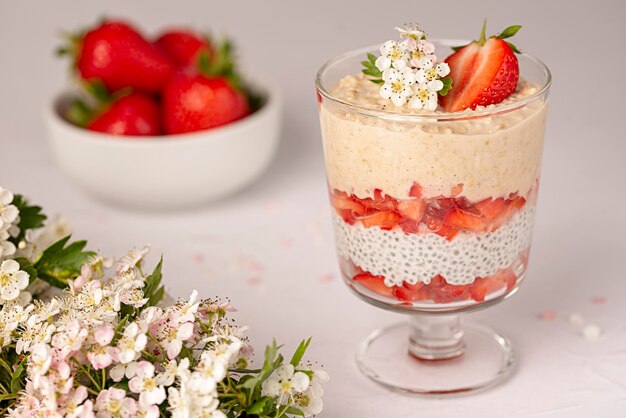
(491, 156)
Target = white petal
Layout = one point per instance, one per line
(420, 76)
(416, 103)
(10, 213)
(398, 99)
(391, 75)
(382, 63)
(21, 279)
(6, 196)
(399, 64)
(300, 382)
(387, 47)
(386, 91)
(10, 266)
(426, 47)
(443, 69)
(435, 85)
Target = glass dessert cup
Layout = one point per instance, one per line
(433, 217)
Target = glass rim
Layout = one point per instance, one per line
(430, 117)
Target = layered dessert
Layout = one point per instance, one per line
(433, 169)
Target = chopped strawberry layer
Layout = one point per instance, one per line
(439, 290)
(445, 216)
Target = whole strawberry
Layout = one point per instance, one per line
(134, 114)
(193, 102)
(117, 55)
(208, 95)
(484, 72)
(184, 46)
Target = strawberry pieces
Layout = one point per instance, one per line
(484, 286)
(193, 102)
(184, 46)
(374, 283)
(134, 114)
(383, 219)
(117, 55)
(439, 290)
(484, 72)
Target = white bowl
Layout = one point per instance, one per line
(166, 172)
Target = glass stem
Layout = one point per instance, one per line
(436, 337)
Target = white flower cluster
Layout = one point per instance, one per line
(103, 348)
(83, 326)
(410, 70)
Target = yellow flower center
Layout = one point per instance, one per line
(5, 279)
(149, 384)
(395, 53)
(285, 387)
(397, 86)
(431, 74)
(423, 94)
(417, 54)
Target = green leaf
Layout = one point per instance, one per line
(508, 32)
(17, 382)
(79, 113)
(153, 289)
(377, 81)
(295, 411)
(372, 58)
(98, 90)
(30, 217)
(258, 406)
(8, 396)
(299, 353)
(514, 48)
(447, 85)
(60, 263)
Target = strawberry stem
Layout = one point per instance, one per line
(483, 37)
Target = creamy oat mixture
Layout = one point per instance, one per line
(491, 156)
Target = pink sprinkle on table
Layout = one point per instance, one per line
(254, 281)
(326, 278)
(598, 300)
(547, 315)
(198, 258)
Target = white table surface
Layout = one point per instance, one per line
(270, 247)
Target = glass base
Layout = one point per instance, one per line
(389, 357)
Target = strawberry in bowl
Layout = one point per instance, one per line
(154, 107)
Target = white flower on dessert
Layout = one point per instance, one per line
(8, 212)
(310, 401)
(421, 53)
(131, 343)
(432, 74)
(144, 384)
(132, 259)
(12, 280)
(424, 97)
(397, 86)
(393, 55)
(284, 383)
(411, 31)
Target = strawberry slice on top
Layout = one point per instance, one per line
(484, 72)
